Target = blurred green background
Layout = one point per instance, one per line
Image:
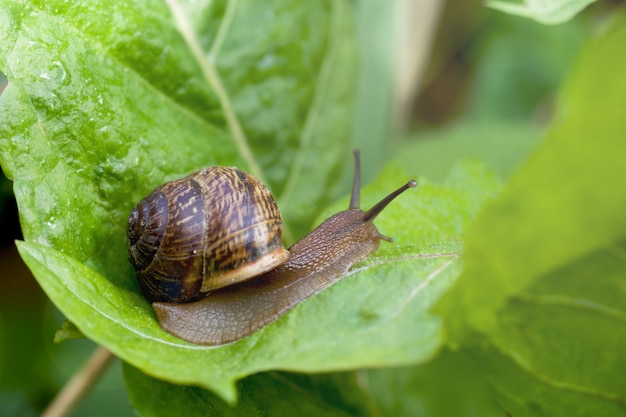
(450, 79)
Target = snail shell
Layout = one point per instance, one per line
(216, 227)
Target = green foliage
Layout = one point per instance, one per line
(550, 295)
(502, 145)
(89, 133)
(108, 100)
(576, 206)
(269, 393)
(512, 77)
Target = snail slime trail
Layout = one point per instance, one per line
(208, 254)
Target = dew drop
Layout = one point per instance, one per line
(51, 223)
(61, 74)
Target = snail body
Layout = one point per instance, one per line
(200, 299)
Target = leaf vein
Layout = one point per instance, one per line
(519, 360)
(580, 304)
(212, 77)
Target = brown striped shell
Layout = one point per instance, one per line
(216, 227)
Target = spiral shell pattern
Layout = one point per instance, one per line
(214, 228)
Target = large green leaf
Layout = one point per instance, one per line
(544, 267)
(557, 351)
(567, 199)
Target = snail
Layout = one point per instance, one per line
(208, 254)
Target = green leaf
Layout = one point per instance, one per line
(543, 11)
(483, 382)
(360, 321)
(271, 393)
(543, 288)
(568, 331)
(565, 201)
(555, 352)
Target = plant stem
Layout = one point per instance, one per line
(80, 384)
